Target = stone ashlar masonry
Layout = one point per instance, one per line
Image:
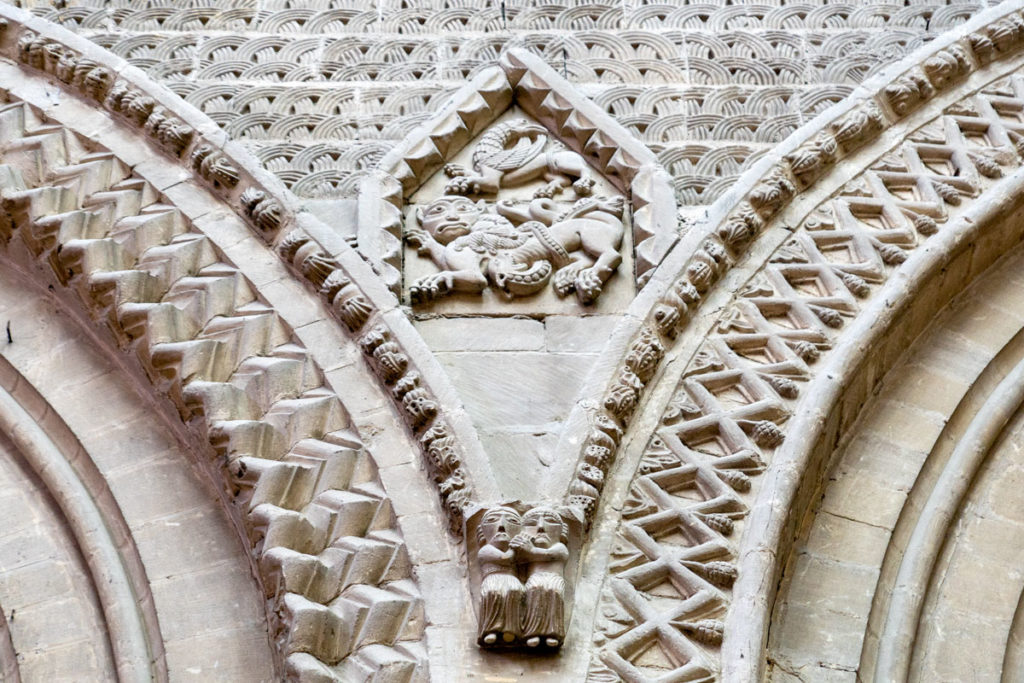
(878, 219)
(844, 583)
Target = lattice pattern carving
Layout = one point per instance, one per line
(729, 412)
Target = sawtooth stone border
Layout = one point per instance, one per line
(275, 315)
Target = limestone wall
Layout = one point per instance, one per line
(528, 341)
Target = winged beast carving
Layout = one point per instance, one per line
(513, 154)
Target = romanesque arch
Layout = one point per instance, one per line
(715, 453)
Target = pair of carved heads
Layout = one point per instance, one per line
(543, 525)
(522, 587)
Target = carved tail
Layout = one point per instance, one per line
(556, 251)
(518, 279)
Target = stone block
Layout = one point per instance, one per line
(482, 334)
(578, 334)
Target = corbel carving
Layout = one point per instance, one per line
(521, 561)
(908, 92)
(214, 167)
(264, 212)
(859, 126)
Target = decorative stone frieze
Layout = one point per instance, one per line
(531, 183)
(710, 86)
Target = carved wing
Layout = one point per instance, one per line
(525, 149)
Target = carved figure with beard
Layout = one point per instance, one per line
(542, 547)
(501, 591)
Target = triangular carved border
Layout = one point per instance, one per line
(524, 79)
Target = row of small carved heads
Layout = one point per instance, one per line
(392, 365)
(799, 169)
(921, 222)
(803, 166)
(98, 83)
(602, 443)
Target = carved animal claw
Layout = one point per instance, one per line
(613, 205)
(588, 286)
(583, 187)
(564, 280)
(454, 170)
(546, 192)
(463, 185)
(420, 239)
(430, 287)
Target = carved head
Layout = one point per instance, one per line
(545, 527)
(37, 54)
(498, 527)
(97, 82)
(450, 217)
(524, 126)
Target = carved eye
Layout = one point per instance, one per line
(436, 209)
(465, 207)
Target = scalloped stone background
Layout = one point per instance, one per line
(321, 89)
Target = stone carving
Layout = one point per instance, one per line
(712, 106)
(769, 356)
(998, 38)
(808, 162)
(779, 294)
(501, 592)
(908, 92)
(512, 154)
(214, 166)
(344, 297)
(264, 211)
(443, 455)
(574, 121)
(422, 413)
(857, 127)
(541, 545)
(97, 82)
(518, 249)
(133, 257)
(945, 66)
(514, 613)
(767, 200)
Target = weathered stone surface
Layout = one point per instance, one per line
(494, 384)
(482, 334)
(735, 429)
(586, 334)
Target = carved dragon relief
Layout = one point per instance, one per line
(518, 246)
